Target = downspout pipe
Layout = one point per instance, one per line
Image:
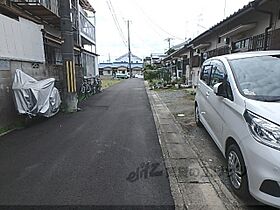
(270, 23)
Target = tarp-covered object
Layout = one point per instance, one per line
(34, 97)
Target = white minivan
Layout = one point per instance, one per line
(238, 102)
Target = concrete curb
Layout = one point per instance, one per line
(203, 190)
(6, 132)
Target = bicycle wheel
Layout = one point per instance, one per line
(83, 89)
(88, 88)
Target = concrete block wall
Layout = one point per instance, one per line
(7, 110)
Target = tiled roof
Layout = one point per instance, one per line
(120, 64)
(126, 56)
(246, 8)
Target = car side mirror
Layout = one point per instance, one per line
(219, 89)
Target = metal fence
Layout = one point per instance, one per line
(86, 27)
(49, 4)
(274, 42)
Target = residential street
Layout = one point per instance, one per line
(117, 105)
(88, 158)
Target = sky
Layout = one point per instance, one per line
(152, 22)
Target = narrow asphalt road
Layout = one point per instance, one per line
(93, 157)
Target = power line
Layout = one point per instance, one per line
(112, 11)
(111, 8)
(155, 24)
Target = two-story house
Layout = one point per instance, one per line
(30, 37)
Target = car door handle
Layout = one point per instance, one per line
(207, 94)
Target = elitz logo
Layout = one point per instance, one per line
(144, 171)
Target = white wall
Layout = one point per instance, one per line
(21, 40)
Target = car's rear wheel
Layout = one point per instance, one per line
(237, 171)
(196, 116)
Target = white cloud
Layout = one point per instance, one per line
(152, 21)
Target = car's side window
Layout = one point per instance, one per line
(218, 73)
(229, 91)
(218, 76)
(205, 73)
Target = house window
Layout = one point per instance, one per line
(53, 55)
(109, 71)
(219, 39)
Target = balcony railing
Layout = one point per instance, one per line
(219, 51)
(275, 40)
(44, 9)
(74, 14)
(87, 28)
(257, 42)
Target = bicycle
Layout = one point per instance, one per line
(99, 84)
(86, 88)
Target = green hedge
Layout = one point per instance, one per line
(151, 75)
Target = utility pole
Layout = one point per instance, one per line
(129, 50)
(109, 58)
(169, 42)
(225, 8)
(70, 99)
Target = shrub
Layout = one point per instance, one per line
(151, 75)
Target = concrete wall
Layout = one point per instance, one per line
(7, 108)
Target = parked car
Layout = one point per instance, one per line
(122, 76)
(238, 102)
(139, 76)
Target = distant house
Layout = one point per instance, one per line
(177, 59)
(121, 65)
(154, 60)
